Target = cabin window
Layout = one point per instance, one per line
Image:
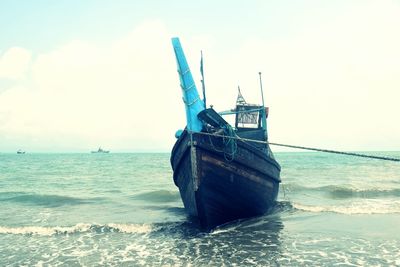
(247, 116)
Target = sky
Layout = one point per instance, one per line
(76, 75)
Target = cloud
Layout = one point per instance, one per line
(122, 95)
(334, 84)
(331, 84)
(14, 63)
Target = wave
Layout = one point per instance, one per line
(282, 206)
(368, 206)
(343, 192)
(340, 192)
(78, 228)
(158, 196)
(44, 200)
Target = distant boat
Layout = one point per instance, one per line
(20, 151)
(223, 173)
(100, 150)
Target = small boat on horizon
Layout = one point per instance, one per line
(20, 151)
(223, 172)
(100, 150)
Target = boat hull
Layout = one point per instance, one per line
(217, 186)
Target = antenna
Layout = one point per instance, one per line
(262, 92)
(263, 113)
(202, 80)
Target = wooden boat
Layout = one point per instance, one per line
(223, 173)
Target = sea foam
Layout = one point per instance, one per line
(365, 206)
(78, 228)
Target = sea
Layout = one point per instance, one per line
(123, 209)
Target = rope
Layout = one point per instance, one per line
(229, 141)
(191, 103)
(305, 148)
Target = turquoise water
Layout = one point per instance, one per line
(124, 210)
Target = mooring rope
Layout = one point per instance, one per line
(227, 141)
(303, 147)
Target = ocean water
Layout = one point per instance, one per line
(124, 210)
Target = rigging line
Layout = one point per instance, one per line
(337, 152)
(306, 148)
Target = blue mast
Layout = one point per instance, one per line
(191, 98)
